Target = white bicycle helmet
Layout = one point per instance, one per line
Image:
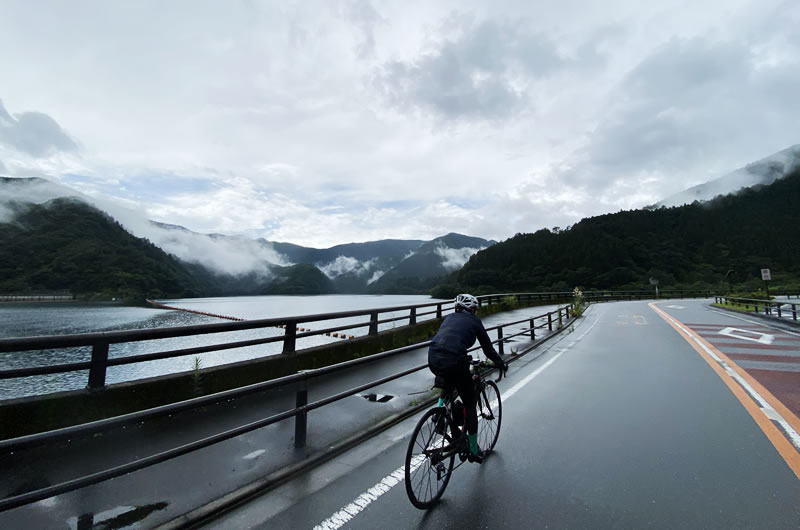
(467, 301)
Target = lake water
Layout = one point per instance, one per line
(34, 319)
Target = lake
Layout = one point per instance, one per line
(60, 318)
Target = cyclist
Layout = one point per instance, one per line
(448, 358)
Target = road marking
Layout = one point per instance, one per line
(742, 384)
(341, 517)
(736, 333)
(676, 307)
(254, 454)
(639, 320)
(759, 324)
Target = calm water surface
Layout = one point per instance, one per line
(35, 319)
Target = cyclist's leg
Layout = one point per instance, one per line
(466, 390)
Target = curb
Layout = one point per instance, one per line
(216, 508)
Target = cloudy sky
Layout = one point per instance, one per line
(328, 122)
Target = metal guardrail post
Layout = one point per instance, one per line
(560, 323)
(412, 318)
(550, 321)
(500, 340)
(290, 337)
(97, 372)
(301, 419)
(438, 310)
(373, 323)
(533, 330)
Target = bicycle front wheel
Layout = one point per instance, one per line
(490, 413)
(429, 458)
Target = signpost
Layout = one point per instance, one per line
(654, 282)
(765, 275)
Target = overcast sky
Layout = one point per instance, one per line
(328, 122)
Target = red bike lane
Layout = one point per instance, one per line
(770, 356)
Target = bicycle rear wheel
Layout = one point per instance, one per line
(428, 465)
(490, 413)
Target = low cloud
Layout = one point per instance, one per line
(33, 133)
(346, 265)
(455, 258)
(30, 190)
(233, 255)
(689, 102)
(375, 277)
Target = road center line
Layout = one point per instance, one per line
(341, 517)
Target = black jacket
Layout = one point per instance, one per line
(456, 335)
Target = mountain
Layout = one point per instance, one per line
(65, 244)
(216, 264)
(353, 266)
(765, 171)
(430, 261)
(702, 245)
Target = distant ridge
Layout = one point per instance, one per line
(764, 171)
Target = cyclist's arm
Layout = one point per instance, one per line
(486, 344)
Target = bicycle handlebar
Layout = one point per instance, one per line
(486, 364)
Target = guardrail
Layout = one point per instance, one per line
(559, 317)
(768, 307)
(554, 321)
(100, 342)
(615, 296)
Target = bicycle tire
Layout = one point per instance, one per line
(490, 415)
(420, 467)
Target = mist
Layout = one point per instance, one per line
(346, 265)
(229, 255)
(454, 258)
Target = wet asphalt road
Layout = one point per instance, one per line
(625, 425)
(160, 493)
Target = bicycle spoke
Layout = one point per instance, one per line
(428, 468)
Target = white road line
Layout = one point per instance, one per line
(341, 517)
(769, 412)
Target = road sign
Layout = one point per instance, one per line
(765, 275)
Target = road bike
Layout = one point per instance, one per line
(440, 436)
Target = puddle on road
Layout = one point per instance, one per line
(376, 398)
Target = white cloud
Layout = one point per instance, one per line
(346, 265)
(375, 277)
(454, 258)
(345, 121)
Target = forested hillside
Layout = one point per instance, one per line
(65, 244)
(692, 246)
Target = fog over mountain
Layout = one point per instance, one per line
(764, 171)
(352, 267)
